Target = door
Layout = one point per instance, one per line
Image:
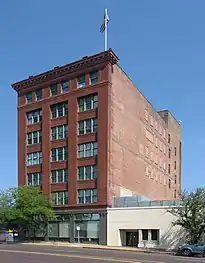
(132, 239)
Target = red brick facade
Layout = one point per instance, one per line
(121, 131)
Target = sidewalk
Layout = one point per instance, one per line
(93, 246)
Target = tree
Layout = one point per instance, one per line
(27, 208)
(191, 214)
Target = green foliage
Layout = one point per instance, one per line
(191, 215)
(26, 207)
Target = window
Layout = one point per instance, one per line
(59, 110)
(64, 86)
(34, 158)
(87, 149)
(175, 165)
(59, 154)
(94, 77)
(169, 153)
(34, 116)
(169, 138)
(59, 132)
(34, 137)
(175, 179)
(59, 176)
(169, 183)
(87, 126)
(87, 172)
(81, 81)
(60, 198)
(169, 169)
(34, 178)
(87, 103)
(175, 151)
(29, 97)
(53, 89)
(144, 234)
(146, 115)
(154, 234)
(175, 193)
(38, 94)
(87, 196)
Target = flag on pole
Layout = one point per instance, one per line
(105, 21)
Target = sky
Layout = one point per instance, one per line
(161, 46)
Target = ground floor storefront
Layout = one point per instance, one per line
(79, 227)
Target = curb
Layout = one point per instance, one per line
(103, 248)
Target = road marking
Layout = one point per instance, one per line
(123, 260)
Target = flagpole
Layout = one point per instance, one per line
(106, 35)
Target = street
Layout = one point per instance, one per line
(52, 254)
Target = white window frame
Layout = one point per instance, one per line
(94, 77)
(92, 148)
(27, 100)
(85, 122)
(57, 194)
(94, 102)
(34, 156)
(65, 176)
(57, 110)
(65, 149)
(62, 89)
(93, 195)
(39, 178)
(82, 81)
(39, 116)
(93, 172)
(56, 89)
(65, 129)
(39, 137)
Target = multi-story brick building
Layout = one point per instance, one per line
(86, 134)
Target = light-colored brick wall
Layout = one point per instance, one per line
(138, 158)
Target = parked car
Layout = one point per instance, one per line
(191, 250)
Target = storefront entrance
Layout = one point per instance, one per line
(132, 239)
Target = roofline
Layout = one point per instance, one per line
(106, 56)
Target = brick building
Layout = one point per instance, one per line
(86, 134)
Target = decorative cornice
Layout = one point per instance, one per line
(88, 61)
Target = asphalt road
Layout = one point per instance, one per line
(52, 254)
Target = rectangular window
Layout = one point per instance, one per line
(175, 179)
(87, 172)
(59, 132)
(34, 116)
(87, 103)
(34, 158)
(59, 154)
(29, 97)
(34, 178)
(169, 138)
(169, 169)
(38, 94)
(169, 153)
(169, 183)
(87, 196)
(87, 149)
(144, 234)
(94, 77)
(175, 165)
(64, 86)
(59, 176)
(81, 81)
(154, 234)
(53, 89)
(175, 151)
(87, 126)
(60, 198)
(34, 137)
(59, 110)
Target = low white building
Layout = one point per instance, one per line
(147, 227)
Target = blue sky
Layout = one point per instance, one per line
(161, 46)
